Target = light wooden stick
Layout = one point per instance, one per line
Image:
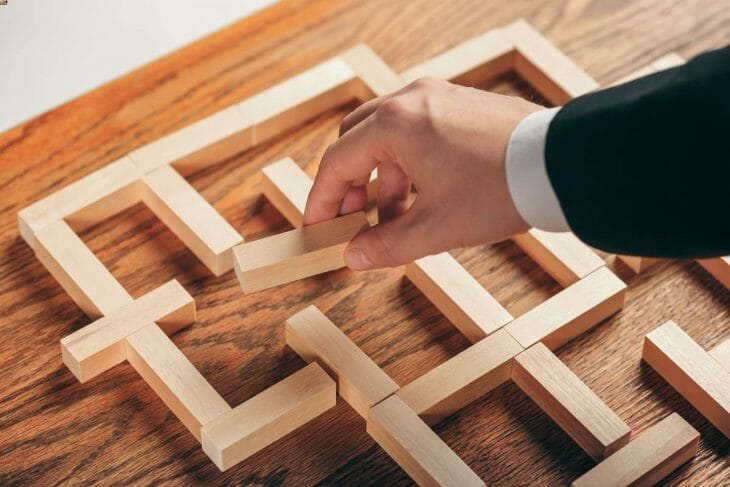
(377, 77)
(571, 312)
(296, 254)
(78, 271)
(99, 346)
(648, 459)
(463, 378)
(721, 354)
(638, 264)
(545, 67)
(287, 186)
(458, 295)
(189, 216)
(719, 267)
(236, 435)
(569, 402)
(93, 198)
(471, 62)
(417, 449)
(690, 370)
(175, 380)
(561, 255)
(361, 382)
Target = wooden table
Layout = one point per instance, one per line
(54, 430)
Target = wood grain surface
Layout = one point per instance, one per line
(114, 429)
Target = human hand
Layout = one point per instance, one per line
(449, 142)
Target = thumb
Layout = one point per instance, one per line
(392, 243)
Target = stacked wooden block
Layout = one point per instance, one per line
(397, 417)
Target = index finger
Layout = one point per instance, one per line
(354, 156)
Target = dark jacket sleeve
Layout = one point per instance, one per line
(644, 168)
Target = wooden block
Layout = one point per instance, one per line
(99, 346)
(671, 60)
(721, 354)
(463, 378)
(268, 416)
(692, 371)
(569, 402)
(175, 380)
(719, 267)
(198, 145)
(287, 187)
(377, 78)
(458, 295)
(189, 216)
(648, 459)
(78, 271)
(561, 255)
(417, 449)
(638, 264)
(545, 67)
(471, 62)
(570, 312)
(361, 382)
(296, 100)
(293, 255)
(83, 203)
(639, 73)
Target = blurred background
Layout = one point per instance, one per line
(52, 51)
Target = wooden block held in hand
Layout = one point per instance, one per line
(569, 402)
(691, 371)
(458, 295)
(99, 346)
(86, 202)
(361, 382)
(189, 216)
(293, 255)
(268, 416)
(571, 312)
(463, 378)
(78, 271)
(175, 380)
(417, 449)
(561, 255)
(287, 187)
(647, 459)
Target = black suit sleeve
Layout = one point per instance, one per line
(644, 168)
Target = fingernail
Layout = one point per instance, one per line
(357, 260)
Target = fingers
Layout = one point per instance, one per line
(392, 243)
(394, 186)
(351, 159)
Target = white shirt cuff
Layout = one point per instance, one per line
(527, 178)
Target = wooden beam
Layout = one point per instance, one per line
(99, 346)
(198, 145)
(569, 402)
(293, 255)
(377, 78)
(638, 264)
(671, 60)
(265, 418)
(721, 354)
(692, 371)
(458, 295)
(360, 381)
(719, 267)
(571, 312)
(175, 380)
(463, 378)
(83, 203)
(300, 98)
(417, 449)
(78, 271)
(287, 187)
(545, 67)
(648, 459)
(189, 216)
(474, 61)
(561, 255)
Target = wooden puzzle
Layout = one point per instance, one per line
(397, 416)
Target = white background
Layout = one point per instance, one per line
(54, 50)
